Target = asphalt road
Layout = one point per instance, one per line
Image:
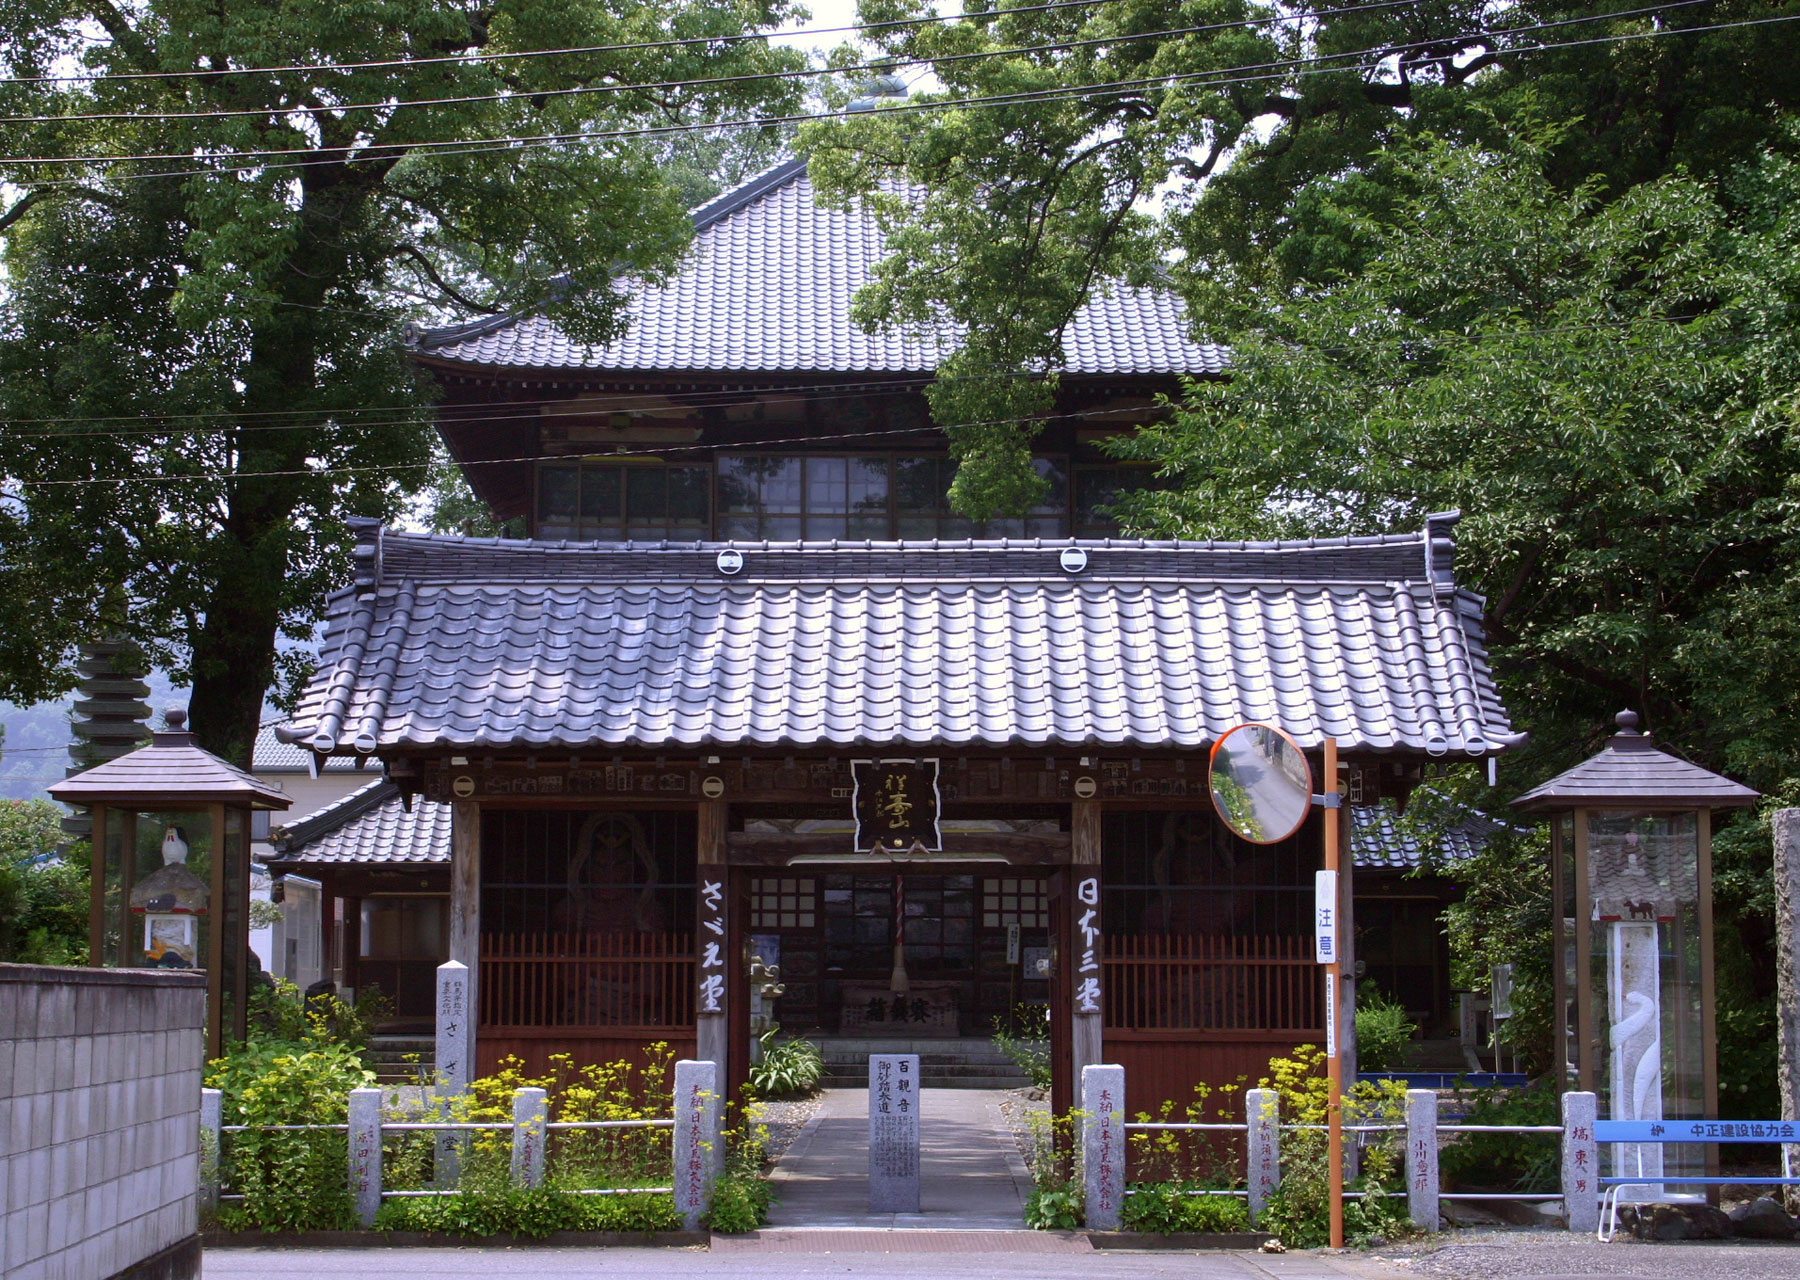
(1512, 1256)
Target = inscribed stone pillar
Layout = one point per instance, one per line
(455, 1049)
(1103, 1145)
(1262, 1116)
(698, 1141)
(530, 1114)
(1086, 970)
(1787, 971)
(894, 1133)
(1422, 1158)
(1580, 1163)
(365, 1153)
(712, 1003)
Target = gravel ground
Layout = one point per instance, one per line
(1515, 1254)
(784, 1120)
(1018, 1106)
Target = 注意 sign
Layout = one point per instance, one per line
(896, 804)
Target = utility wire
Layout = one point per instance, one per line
(679, 42)
(522, 411)
(708, 81)
(1218, 78)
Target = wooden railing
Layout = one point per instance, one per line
(1163, 982)
(571, 981)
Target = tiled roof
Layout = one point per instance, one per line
(1630, 771)
(272, 755)
(173, 765)
(368, 825)
(488, 644)
(1378, 843)
(768, 286)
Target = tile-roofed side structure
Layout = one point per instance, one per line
(370, 825)
(485, 644)
(1378, 842)
(768, 285)
(1630, 771)
(272, 755)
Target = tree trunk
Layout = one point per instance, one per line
(1786, 826)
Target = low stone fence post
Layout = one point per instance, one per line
(1422, 1157)
(697, 1138)
(212, 1150)
(1580, 1163)
(1262, 1118)
(530, 1113)
(1103, 1145)
(365, 1153)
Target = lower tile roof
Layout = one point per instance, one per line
(452, 643)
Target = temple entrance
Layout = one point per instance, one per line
(904, 953)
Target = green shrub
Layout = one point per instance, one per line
(1521, 1162)
(1298, 1212)
(1053, 1208)
(1167, 1207)
(290, 1181)
(1383, 1031)
(1029, 1050)
(537, 1212)
(786, 1070)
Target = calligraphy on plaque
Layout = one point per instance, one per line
(896, 804)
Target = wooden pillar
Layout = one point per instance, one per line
(465, 906)
(97, 888)
(1347, 1048)
(1085, 972)
(714, 965)
(128, 825)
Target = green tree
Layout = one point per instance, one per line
(201, 372)
(43, 898)
(1606, 389)
(1194, 140)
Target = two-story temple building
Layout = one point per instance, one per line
(751, 688)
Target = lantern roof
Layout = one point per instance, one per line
(173, 772)
(1632, 773)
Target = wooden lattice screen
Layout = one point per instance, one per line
(576, 981)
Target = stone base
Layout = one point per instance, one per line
(180, 1261)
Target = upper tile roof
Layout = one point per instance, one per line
(370, 824)
(272, 755)
(1630, 772)
(768, 285)
(490, 644)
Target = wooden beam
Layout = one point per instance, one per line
(712, 1031)
(778, 849)
(465, 896)
(1086, 1040)
(97, 889)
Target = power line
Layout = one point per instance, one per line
(532, 411)
(1217, 78)
(630, 451)
(797, 73)
(465, 59)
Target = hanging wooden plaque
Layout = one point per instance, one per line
(896, 804)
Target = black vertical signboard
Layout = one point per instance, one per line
(896, 804)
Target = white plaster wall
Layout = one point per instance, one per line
(100, 1073)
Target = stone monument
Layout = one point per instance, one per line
(894, 1133)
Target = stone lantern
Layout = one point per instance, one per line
(1631, 841)
(171, 866)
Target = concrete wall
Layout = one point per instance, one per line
(100, 1122)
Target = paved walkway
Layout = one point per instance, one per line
(971, 1177)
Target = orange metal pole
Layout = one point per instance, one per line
(1334, 1109)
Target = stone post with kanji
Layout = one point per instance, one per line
(698, 1138)
(1580, 1162)
(894, 1133)
(1103, 1145)
(455, 1046)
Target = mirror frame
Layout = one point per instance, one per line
(1212, 769)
